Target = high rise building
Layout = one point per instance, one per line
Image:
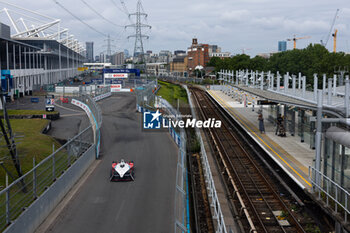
(90, 51)
(97, 59)
(102, 57)
(118, 58)
(164, 56)
(126, 53)
(282, 46)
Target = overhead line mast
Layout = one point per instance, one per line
(138, 48)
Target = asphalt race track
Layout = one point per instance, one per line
(143, 206)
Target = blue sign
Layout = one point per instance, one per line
(152, 120)
(6, 80)
(122, 71)
(98, 81)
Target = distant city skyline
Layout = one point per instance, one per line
(254, 24)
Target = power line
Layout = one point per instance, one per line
(116, 5)
(96, 12)
(124, 10)
(143, 11)
(76, 17)
(124, 6)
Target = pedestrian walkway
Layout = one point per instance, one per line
(293, 156)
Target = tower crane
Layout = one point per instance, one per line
(324, 43)
(335, 40)
(297, 38)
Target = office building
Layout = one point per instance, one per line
(90, 51)
(118, 58)
(282, 46)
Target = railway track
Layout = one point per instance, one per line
(258, 204)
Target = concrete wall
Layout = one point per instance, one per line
(36, 213)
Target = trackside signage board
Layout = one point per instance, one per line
(122, 71)
(116, 87)
(111, 75)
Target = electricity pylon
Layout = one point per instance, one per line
(138, 49)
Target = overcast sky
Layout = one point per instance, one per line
(256, 25)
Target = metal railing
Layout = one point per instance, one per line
(182, 223)
(336, 197)
(16, 197)
(218, 217)
(145, 95)
(93, 90)
(293, 86)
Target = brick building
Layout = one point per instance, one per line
(198, 55)
(179, 65)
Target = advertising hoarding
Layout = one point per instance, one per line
(115, 75)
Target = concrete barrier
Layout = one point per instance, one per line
(38, 211)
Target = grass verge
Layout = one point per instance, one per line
(172, 93)
(30, 143)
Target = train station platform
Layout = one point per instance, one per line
(293, 156)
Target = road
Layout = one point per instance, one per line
(145, 205)
(72, 118)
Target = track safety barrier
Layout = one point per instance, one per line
(27, 201)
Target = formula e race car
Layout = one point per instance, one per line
(122, 171)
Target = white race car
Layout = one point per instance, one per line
(122, 171)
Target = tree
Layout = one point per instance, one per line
(314, 59)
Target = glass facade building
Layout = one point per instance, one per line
(90, 51)
(282, 46)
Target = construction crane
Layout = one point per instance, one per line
(324, 43)
(335, 40)
(297, 38)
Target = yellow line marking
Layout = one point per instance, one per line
(228, 108)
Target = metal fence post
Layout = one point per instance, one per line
(80, 143)
(8, 216)
(346, 208)
(327, 201)
(34, 179)
(53, 167)
(336, 199)
(68, 155)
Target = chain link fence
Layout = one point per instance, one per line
(16, 197)
(146, 95)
